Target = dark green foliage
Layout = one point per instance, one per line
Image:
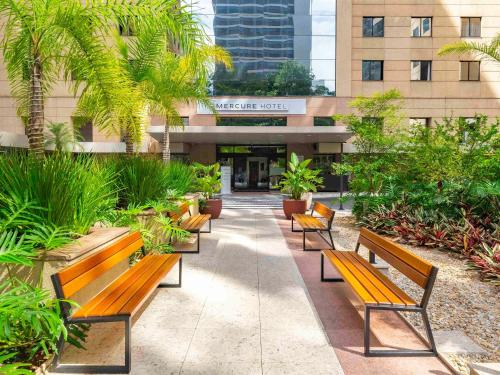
(435, 186)
(142, 179)
(60, 191)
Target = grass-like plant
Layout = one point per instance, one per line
(61, 190)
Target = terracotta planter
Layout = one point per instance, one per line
(292, 206)
(212, 207)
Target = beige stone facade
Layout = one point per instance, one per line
(444, 95)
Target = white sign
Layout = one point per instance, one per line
(252, 106)
(225, 180)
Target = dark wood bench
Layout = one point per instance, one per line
(119, 300)
(192, 224)
(375, 289)
(312, 224)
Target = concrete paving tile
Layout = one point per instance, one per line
(221, 345)
(243, 316)
(293, 368)
(283, 345)
(221, 368)
(172, 343)
(456, 342)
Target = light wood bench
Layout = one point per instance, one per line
(192, 224)
(313, 224)
(376, 291)
(119, 300)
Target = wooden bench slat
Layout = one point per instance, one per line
(392, 293)
(323, 210)
(413, 260)
(85, 278)
(86, 264)
(309, 222)
(195, 223)
(396, 262)
(117, 307)
(135, 303)
(113, 291)
(368, 281)
(407, 300)
(346, 274)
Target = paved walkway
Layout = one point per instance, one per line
(243, 309)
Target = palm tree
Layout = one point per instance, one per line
(45, 40)
(167, 65)
(483, 51)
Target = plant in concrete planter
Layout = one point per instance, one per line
(298, 180)
(208, 183)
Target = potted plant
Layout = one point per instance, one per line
(208, 183)
(296, 182)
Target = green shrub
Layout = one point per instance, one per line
(63, 191)
(142, 179)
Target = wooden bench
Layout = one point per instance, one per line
(375, 289)
(313, 224)
(192, 224)
(119, 300)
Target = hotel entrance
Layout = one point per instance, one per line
(253, 168)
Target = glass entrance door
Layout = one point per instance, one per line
(254, 168)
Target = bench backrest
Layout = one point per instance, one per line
(75, 277)
(179, 212)
(323, 211)
(412, 266)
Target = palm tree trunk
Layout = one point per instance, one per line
(166, 143)
(129, 145)
(36, 110)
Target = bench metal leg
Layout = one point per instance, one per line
(320, 233)
(57, 367)
(331, 279)
(399, 353)
(189, 251)
(209, 227)
(293, 229)
(179, 284)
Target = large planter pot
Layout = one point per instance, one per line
(212, 207)
(293, 206)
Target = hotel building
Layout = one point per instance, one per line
(297, 63)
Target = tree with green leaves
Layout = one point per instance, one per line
(46, 40)
(167, 65)
(376, 126)
(293, 78)
(483, 51)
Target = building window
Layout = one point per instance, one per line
(251, 121)
(324, 121)
(416, 122)
(421, 70)
(373, 26)
(185, 121)
(85, 129)
(421, 26)
(469, 70)
(373, 70)
(471, 27)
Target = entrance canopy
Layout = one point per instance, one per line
(253, 134)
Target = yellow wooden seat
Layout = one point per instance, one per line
(193, 223)
(119, 300)
(376, 291)
(313, 224)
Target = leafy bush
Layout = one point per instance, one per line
(142, 179)
(435, 186)
(300, 179)
(60, 191)
(207, 179)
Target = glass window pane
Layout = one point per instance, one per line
(321, 25)
(426, 26)
(378, 26)
(464, 70)
(474, 70)
(415, 26)
(415, 70)
(465, 26)
(425, 70)
(367, 26)
(323, 7)
(475, 27)
(376, 71)
(366, 70)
